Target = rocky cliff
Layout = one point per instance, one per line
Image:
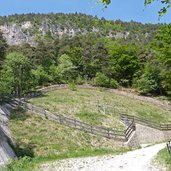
(27, 28)
(18, 34)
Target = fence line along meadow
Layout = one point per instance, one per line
(120, 135)
(106, 109)
(152, 124)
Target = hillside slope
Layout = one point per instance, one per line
(28, 28)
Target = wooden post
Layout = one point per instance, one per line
(107, 109)
(168, 147)
(75, 122)
(98, 110)
(45, 113)
(108, 133)
(104, 109)
(134, 126)
(60, 119)
(91, 129)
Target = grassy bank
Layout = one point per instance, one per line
(81, 104)
(39, 140)
(164, 158)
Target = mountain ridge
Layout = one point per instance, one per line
(29, 28)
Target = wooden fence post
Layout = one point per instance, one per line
(75, 123)
(91, 129)
(98, 110)
(60, 120)
(104, 108)
(45, 113)
(126, 138)
(108, 132)
(168, 147)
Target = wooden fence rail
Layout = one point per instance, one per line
(121, 135)
(162, 127)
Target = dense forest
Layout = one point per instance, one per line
(97, 59)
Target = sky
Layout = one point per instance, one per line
(125, 10)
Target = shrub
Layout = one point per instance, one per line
(101, 80)
(113, 83)
(145, 84)
(72, 86)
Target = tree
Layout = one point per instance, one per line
(40, 76)
(123, 63)
(166, 4)
(100, 57)
(15, 74)
(66, 70)
(162, 46)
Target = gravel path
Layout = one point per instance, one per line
(138, 160)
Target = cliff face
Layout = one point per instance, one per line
(18, 34)
(26, 32)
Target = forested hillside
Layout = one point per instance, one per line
(28, 28)
(140, 57)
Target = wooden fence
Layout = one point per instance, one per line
(121, 135)
(155, 125)
(169, 147)
(105, 108)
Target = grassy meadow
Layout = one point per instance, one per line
(39, 140)
(81, 104)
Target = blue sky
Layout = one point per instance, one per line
(125, 10)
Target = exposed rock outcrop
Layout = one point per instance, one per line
(26, 32)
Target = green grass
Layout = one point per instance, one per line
(164, 158)
(75, 103)
(39, 140)
(90, 117)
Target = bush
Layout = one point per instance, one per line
(101, 80)
(72, 86)
(145, 85)
(113, 83)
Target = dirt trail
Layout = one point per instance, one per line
(138, 160)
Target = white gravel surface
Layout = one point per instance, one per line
(138, 160)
